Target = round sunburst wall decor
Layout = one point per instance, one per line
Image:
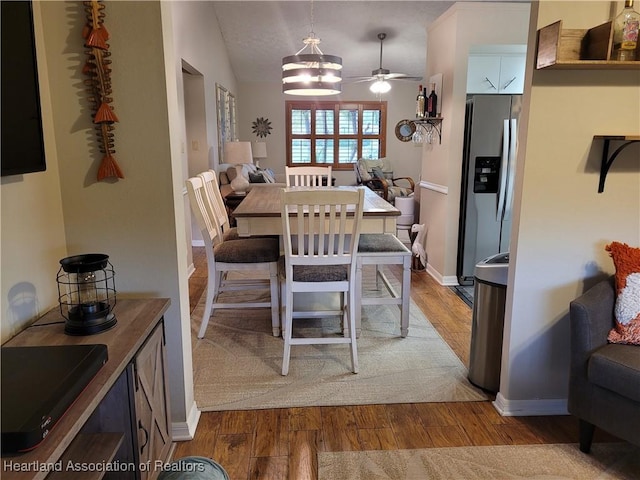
(262, 127)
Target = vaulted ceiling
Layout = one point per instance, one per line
(258, 34)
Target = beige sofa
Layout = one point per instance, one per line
(226, 175)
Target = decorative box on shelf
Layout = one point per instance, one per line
(578, 48)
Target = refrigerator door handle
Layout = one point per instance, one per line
(513, 137)
(504, 165)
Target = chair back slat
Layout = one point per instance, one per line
(307, 176)
(201, 208)
(327, 225)
(216, 203)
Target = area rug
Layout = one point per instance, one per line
(237, 366)
(560, 461)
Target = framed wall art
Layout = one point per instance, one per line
(226, 109)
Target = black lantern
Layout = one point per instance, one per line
(87, 293)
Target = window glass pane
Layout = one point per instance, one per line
(371, 148)
(300, 122)
(348, 122)
(324, 122)
(301, 151)
(324, 151)
(371, 122)
(347, 151)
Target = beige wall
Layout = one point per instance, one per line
(449, 40)
(33, 236)
(563, 223)
(267, 100)
(138, 221)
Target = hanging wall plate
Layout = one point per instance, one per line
(405, 130)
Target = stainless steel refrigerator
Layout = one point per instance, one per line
(488, 173)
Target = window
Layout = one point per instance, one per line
(335, 133)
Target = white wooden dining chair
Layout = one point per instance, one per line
(308, 176)
(212, 189)
(247, 255)
(384, 249)
(320, 237)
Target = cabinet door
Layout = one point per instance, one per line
(152, 402)
(483, 74)
(512, 74)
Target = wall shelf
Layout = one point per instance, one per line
(608, 160)
(430, 123)
(578, 49)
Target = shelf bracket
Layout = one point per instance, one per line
(607, 160)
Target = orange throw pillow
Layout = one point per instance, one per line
(626, 259)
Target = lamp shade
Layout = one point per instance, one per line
(237, 152)
(259, 149)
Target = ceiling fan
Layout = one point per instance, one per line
(380, 76)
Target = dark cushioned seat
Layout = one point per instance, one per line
(312, 273)
(616, 368)
(604, 380)
(247, 250)
(380, 242)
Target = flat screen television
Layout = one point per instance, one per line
(22, 149)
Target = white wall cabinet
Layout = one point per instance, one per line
(504, 74)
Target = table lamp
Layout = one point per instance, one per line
(259, 150)
(238, 153)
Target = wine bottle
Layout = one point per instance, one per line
(625, 34)
(420, 101)
(426, 112)
(432, 102)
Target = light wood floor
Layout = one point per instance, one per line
(283, 443)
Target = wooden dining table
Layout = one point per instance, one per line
(259, 212)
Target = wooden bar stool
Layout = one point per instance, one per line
(384, 249)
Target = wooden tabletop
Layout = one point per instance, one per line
(265, 202)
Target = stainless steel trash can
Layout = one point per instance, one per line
(488, 321)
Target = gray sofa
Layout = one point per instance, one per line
(604, 384)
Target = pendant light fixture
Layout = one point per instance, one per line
(311, 74)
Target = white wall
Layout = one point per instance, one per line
(33, 236)
(563, 223)
(266, 100)
(449, 39)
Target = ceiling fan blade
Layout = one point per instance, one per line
(358, 79)
(401, 76)
(408, 79)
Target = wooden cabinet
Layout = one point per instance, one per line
(122, 417)
(494, 73)
(151, 402)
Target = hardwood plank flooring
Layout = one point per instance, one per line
(279, 444)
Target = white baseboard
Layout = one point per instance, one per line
(184, 431)
(197, 243)
(520, 408)
(447, 281)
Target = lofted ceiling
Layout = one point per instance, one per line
(258, 34)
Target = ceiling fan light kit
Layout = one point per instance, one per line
(380, 86)
(311, 74)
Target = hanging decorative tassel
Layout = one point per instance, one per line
(99, 86)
